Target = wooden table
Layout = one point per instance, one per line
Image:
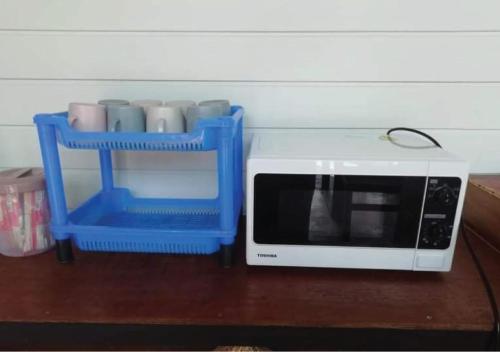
(482, 216)
(482, 207)
(486, 228)
(489, 257)
(136, 301)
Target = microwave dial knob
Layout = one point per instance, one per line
(437, 231)
(435, 235)
(445, 196)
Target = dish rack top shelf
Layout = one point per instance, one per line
(204, 137)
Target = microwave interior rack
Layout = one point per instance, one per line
(114, 220)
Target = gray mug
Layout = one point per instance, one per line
(126, 118)
(224, 104)
(197, 112)
(108, 102)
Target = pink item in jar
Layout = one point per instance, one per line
(24, 213)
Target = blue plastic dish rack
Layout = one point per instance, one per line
(114, 220)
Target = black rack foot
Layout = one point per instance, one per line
(226, 255)
(64, 251)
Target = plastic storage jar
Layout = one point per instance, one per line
(24, 213)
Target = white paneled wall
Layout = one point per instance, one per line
(316, 57)
(317, 64)
(254, 15)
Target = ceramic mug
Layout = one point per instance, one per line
(108, 102)
(87, 117)
(197, 112)
(126, 118)
(224, 104)
(183, 104)
(165, 119)
(145, 104)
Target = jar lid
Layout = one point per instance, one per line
(22, 180)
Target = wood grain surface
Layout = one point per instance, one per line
(482, 207)
(489, 256)
(151, 302)
(193, 290)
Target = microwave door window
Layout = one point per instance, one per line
(368, 211)
(282, 207)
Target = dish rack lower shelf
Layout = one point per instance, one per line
(115, 221)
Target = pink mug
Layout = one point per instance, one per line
(87, 117)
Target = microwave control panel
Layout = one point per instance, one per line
(439, 212)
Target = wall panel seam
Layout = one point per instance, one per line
(270, 32)
(299, 82)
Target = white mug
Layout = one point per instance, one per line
(165, 119)
(145, 104)
(183, 104)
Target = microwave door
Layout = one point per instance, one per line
(368, 211)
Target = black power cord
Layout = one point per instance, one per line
(495, 336)
(406, 129)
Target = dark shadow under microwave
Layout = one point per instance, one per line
(340, 210)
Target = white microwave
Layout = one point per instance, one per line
(352, 201)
